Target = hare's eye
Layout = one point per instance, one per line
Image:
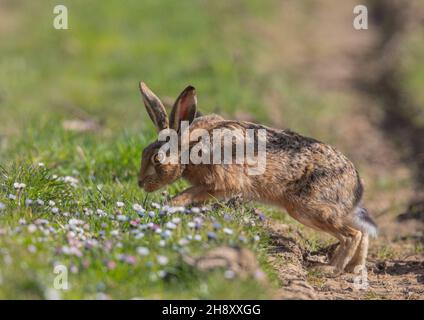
(156, 158)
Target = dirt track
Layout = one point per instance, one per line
(332, 57)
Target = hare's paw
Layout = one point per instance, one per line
(356, 268)
(180, 200)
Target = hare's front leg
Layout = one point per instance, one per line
(196, 194)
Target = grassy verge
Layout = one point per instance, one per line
(65, 211)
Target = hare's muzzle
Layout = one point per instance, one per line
(140, 183)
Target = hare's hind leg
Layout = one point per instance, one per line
(329, 218)
(348, 249)
(359, 259)
(339, 250)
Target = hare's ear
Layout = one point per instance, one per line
(184, 108)
(154, 108)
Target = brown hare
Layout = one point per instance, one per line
(313, 182)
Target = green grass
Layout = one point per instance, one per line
(32, 249)
(91, 71)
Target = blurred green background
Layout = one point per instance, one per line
(69, 99)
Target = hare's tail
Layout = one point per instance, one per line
(364, 222)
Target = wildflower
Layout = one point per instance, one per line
(100, 286)
(41, 165)
(91, 243)
(2, 206)
(52, 203)
(171, 225)
(162, 260)
(120, 204)
(139, 235)
(19, 186)
(87, 211)
(138, 208)
(55, 210)
(217, 225)
(211, 235)
(32, 248)
(114, 233)
(229, 274)
(143, 251)
(28, 202)
(227, 217)
(195, 210)
(32, 228)
(162, 243)
(111, 265)
(256, 238)
(191, 224)
(122, 218)
(176, 209)
(198, 221)
(242, 239)
(41, 221)
(260, 214)
(135, 222)
(176, 220)
(166, 234)
(71, 251)
(228, 231)
(162, 273)
(130, 259)
(197, 237)
(155, 205)
(71, 180)
(73, 269)
(22, 221)
(183, 242)
(151, 214)
(39, 202)
(75, 222)
(12, 197)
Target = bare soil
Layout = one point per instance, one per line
(325, 52)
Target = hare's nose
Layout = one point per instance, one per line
(140, 183)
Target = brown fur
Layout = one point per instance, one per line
(313, 182)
